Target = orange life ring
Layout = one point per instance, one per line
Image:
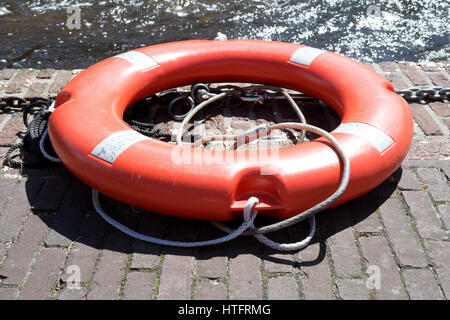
(92, 140)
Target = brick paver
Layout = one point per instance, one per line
(62, 77)
(283, 288)
(65, 226)
(21, 254)
(364, 214)
(442, 109)
(41, 283)
(427, 221)
(426, 122)
(6, 188)
(421, 284)
(378, 255)
(111, 268)
(8, 293)
(84, 257)
(139, 286)
(317, 282)
(353, 289)
(211, 266)
(440, 79)
(405, 243)
(436, 184)
(45, 73)
(14, 212)
(6, 74)
(71, 294)
(52, 192)
(344, 252)
(401, 229)
(176, 277)
(415, 74)
(19, 81)
(35, 90)
(12, 130)
(277, 262)
(242, 283)
(210, 290)
(439, 252)
(146, 256)
(409, 181)
(84, 252)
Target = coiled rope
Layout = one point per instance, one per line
(247, 227)
(35, 134)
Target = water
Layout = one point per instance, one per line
(35, 33)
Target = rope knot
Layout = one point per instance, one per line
(249, 212)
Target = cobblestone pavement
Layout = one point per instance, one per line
(392, 243)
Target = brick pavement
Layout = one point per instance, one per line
(51, 238)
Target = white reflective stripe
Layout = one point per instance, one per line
(306, 55)
(139, 60)
(111, 147)
(374, 136)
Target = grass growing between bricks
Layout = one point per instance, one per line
(124, 277)
(332, 271)
(158, 271)
(94, 270)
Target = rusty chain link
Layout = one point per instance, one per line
(14, 102)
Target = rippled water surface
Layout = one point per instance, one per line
(35, 33)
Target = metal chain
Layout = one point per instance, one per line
(254, 94)
(417, 94)
(261, 93)
(28, 105)
(14, 102)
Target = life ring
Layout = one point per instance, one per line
(92, 140)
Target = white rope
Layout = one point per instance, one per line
(270, 243)
(44, 153)
(298, 111)
(248, 224)
(194, 111)
(289, 246)
(247, 227)
(249, 217)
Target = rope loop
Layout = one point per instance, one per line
(249, 213)
(44, 152)
(249, 217)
